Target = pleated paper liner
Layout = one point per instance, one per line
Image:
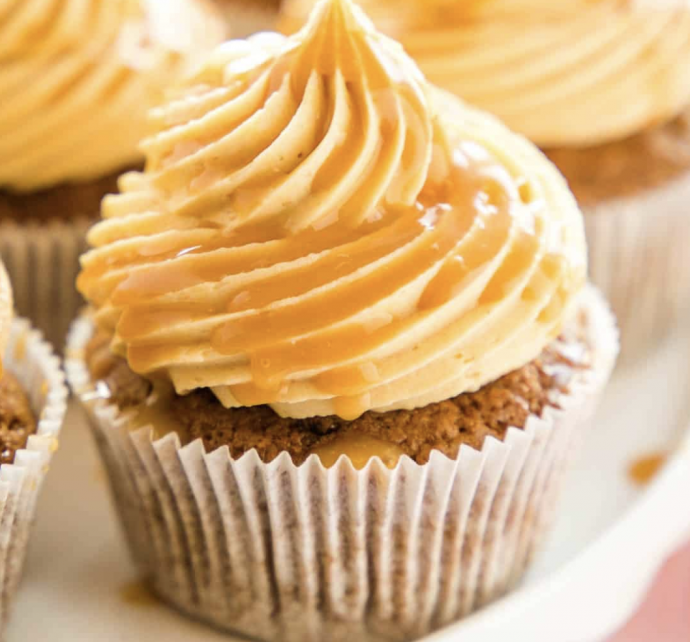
(303, 553)
(36, 367)
(638, 256)
(42, 259)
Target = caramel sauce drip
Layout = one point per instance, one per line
(643, 470)
(359, 449)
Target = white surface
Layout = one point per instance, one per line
(610, 538)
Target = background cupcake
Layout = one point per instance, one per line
(604, 88)
(77, 79)
(346, 267)
(33, 399)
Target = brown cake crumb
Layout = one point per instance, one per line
(627, 167)
(67, 201)
(467, 419)
(17, 420)
(126, 388)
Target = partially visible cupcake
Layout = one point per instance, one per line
(341, 345)
(604, 89)
(250, 16)
(33, 400)
(76, 79)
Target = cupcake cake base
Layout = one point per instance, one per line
(279, 550)
(468, 419)
(33, 401)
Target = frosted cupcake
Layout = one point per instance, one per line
(77, 79)
(33, 399)
(340, 347)
(604, 88)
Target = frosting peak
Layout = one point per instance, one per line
(331, 123)
(320, 230)
(77, 78)
(563, 73)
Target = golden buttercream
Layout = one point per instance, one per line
(320, 230)
(5, 311)
(78, 76)
(563, 73)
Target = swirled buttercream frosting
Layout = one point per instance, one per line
(565, 73)
(320, 230)
(78, 76)
(5, 311)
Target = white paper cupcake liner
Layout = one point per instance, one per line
(639, 258)
(42, 260)
(33, 362)
(302, 553)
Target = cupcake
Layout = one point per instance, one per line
(77, 79)
(604, 89)
(33, 400)
(249, 16)
(341, 346)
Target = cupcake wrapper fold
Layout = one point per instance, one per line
(639, 258)
(302, 553)
(36, 367)
(42, 260)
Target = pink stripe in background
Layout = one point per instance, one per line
(665, 616)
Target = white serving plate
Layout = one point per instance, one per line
(610, 538)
